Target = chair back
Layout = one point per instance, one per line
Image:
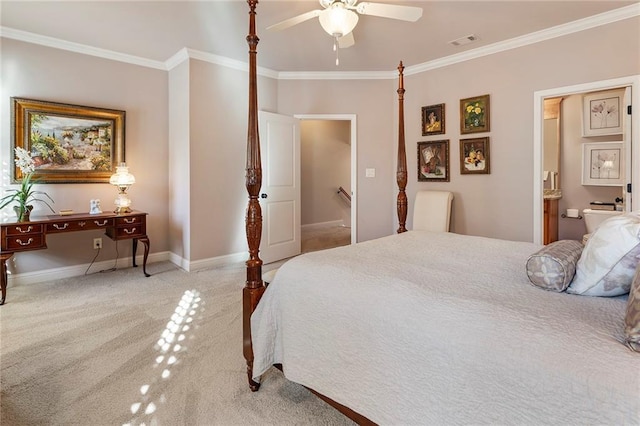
(432, 211)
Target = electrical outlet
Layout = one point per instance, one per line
(97, 243)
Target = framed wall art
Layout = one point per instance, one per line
(433, 161)
(68, 143)
(433, 120)
(475, 114)
(475, 156)
(603, 164)
(601, 114)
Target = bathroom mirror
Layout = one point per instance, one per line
(551, 144)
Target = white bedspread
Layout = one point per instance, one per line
(439, 328)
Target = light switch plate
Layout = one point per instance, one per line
(370, 172)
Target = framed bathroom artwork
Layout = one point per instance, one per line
(603, 164)
(601, 113)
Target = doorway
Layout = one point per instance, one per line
(632, 137)
(328, 165)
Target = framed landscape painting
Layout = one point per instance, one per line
(68, 143)
(433, 161)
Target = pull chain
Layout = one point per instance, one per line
(336, 48)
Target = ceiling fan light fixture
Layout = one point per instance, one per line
(338, 21)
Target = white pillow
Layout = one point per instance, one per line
(608, 261)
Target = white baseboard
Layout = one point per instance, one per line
(77, 270)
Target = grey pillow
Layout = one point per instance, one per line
(632, 317)
(553, 267)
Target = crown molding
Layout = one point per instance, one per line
(532, 38)
(79, 48)
(186, 53)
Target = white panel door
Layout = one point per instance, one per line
(280, 195)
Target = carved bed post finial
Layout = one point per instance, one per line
(254, 287)
(401, 171)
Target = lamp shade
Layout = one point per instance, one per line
(337, 20)
(122, 177)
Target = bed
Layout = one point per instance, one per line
(428, 327)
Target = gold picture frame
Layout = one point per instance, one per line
(475, 114)
(69, 143)
(475, 156)
(433, 120)
(433, 161)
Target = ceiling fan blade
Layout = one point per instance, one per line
(393, 11)
(346, 41)
(294, 21)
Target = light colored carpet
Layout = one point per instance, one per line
(320, 237)
(93, 350)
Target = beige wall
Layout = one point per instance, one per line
(374, 102)
(325, 162)
(500, 204)
(190, 175)
(42, 73)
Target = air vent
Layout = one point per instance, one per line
(464, 40)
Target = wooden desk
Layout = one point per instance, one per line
(32, 235)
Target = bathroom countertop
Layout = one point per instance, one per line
(552, 194)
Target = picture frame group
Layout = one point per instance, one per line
(68, 143)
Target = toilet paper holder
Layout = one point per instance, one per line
(571, 214)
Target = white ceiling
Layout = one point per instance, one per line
(157, 30)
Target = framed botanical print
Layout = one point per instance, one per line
(433, 161)
(475, 156)
(475, 114)
(433, 120)
(601, 114)
(603, 164)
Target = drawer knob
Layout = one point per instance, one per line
(129, 231)
(55, 225)
(22, 243)
(19, 229)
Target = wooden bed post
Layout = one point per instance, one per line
(254, 287)
(401, 171)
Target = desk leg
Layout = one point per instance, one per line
(3, 275)
(145, 241)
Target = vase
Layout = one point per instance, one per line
(23, 213)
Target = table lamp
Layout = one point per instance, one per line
(122, 179)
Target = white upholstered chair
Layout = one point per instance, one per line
(432, 211)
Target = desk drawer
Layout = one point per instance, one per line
(24, 228)
(124, 232)
(24, 242)
(130, 220)
(78, 225)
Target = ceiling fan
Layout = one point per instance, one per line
(338, 18)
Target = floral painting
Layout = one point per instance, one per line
(433, 161)
(68, 143)
(603, 164)
(474, 156)
(601, 116)
(474, 114)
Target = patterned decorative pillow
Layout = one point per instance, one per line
(632, 318)
(609, 258)
(553, 266)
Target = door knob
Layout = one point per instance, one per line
(263, 195)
